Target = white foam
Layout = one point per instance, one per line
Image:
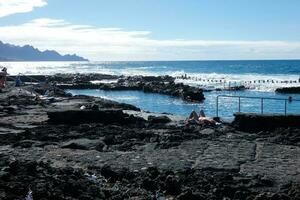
(207, 80)
(105, 81)
(257, 82)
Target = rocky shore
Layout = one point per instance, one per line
(79, 147)
(161, 84)
(289, 90)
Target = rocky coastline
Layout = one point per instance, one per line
(80, 147)
(289, 90)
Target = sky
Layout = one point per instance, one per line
(116, 30)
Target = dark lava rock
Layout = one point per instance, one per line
(108, 173)
(149, 184)
(90, 116)
(109, 139)
(256, 122)
(46, 182)
(160, 84)
(189, 195)
(288, 90)
(173, 185)
(80, 78)
(193, 95)
(84, 144)
(24, 143)
(159, 119)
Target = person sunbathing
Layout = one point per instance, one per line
(203, 118)
(195, 119)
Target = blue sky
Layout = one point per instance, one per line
(157, 29)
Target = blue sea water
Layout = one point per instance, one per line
(166, 104)
(262, 77)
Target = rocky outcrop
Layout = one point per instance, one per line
(257, 122)
(153, 84)
(159, 119)
(107, 154)
(161, 85)
(288, 90)
(104, 116)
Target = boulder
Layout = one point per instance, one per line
(104, 116)
(193, 95)
(159, 119)
(262, 122)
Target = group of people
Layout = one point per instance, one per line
(3, 77)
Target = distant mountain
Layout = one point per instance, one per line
(9, 52)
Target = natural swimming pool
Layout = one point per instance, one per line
(227, 106)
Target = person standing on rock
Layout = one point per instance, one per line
(3, 75)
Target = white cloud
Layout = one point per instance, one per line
(9, 7)
(118, 44)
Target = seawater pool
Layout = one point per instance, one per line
(159, 103)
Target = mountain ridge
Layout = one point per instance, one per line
(10, 52)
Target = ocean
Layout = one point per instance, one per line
(261, 77)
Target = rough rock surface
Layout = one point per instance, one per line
(144, 160)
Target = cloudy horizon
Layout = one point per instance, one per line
(99, 43)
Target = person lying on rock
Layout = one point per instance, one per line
(195, 119)
(207, 120)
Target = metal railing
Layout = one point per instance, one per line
(262, 99)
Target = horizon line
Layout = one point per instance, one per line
(181, 60)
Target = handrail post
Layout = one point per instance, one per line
(239, 104)
(285, 107)
(217, 107)
(262, 105)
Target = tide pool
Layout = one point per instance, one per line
(159, 103)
